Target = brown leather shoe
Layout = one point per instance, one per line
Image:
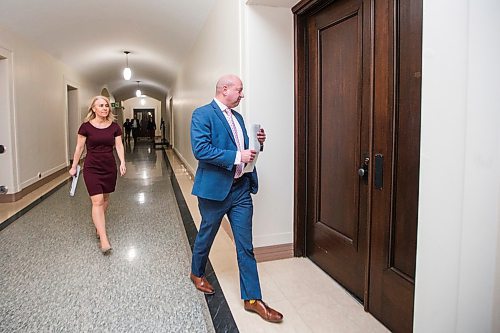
(266, 312)
(202, 284)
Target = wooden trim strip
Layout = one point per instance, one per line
(264, 253)
(6, 198)
(274, 252)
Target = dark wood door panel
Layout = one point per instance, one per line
(395, 207)
(339, 126)
(407, 138)
(393, 310)
(337, 139)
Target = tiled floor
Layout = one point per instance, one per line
(309, 299)
(54, 278)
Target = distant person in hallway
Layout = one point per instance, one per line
(99, 133)
(151, 127)
(136, 127)
(127, 126)
(222, 188)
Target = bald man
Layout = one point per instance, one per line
(220, 144)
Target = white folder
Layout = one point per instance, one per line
(253, 143)
(74, 182)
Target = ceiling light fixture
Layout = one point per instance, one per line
(138, 92)
(127, 73)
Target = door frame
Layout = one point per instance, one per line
(136, 110)
(300, 138)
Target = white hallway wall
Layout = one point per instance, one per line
(269, 78)
(39, 110)
(215, 53)
(458, 272)
(255, 42)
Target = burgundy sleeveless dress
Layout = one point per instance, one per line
(99, 168)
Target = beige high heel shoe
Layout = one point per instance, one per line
(106, 250)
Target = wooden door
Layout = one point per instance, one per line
(393, 245)
(358, 65)
(339, 140)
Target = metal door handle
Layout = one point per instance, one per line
(379, 171)
(363, 171)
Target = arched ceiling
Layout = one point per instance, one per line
(90, 37)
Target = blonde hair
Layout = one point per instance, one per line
(91, 114)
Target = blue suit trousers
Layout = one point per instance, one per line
(239, 209)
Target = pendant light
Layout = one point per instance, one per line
(138, 92)
(127, 73)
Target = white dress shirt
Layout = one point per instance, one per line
(237, 160)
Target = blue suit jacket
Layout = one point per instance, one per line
(215, 149)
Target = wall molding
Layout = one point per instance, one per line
(273, 252)
(18, 195)
(186, 165)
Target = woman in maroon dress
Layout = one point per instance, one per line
(100, 134)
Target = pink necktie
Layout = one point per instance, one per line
(239, 167)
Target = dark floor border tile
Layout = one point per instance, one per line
(26, 209)
(222, 317)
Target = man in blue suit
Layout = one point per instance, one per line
(220, 144)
